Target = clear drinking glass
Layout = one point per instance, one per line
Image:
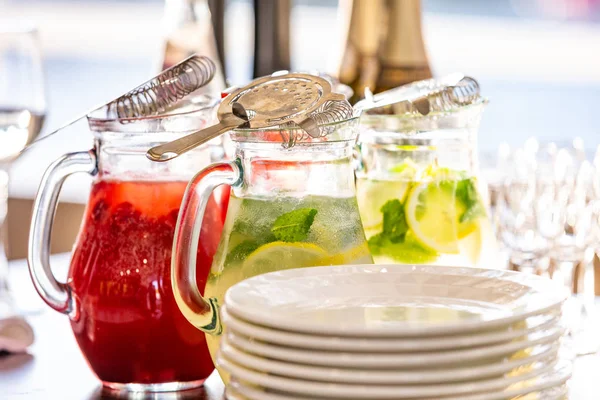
(118, 292)
(22, 98)
(418, 190)
(5, 298)
(492, 167)
(569, 214)
(548, 214)
(22, 111)
(289, 208)
(519, 210)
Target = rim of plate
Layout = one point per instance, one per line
(250, 299)
(363, 345)
(545, 391)
(328, 389)
(391, 377)
(554, 388)
(387, 360)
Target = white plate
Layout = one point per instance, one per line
(357, 344)
(531, 362)
(537, 342)
(328, 390)
(240, 391)
(391, 300)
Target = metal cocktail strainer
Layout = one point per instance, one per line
(288, 99)
(154, 97)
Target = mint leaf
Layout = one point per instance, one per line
(241, 251)
(472, 213)
(409, 252)
(294, 225)
(466, 193)
(375, 242)
(394, 221)
(255, 218)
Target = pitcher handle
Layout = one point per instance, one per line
(56, 294)
(201, 312)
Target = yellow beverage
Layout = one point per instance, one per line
(430, 216)
(265, 235)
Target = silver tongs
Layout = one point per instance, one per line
(423, 97)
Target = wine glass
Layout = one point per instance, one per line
(517, 209)
(567, 214)
(22, 99)
(22, 112)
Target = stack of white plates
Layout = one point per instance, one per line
(394, 332)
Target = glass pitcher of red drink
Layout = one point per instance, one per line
(118, 294)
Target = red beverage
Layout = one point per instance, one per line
(127, 322)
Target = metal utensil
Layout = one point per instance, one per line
(266, 102)
(155, 96)
(162, 92)
(423, 97)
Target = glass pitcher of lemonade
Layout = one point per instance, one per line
(418, 193)
(118, 293)
(289, 208)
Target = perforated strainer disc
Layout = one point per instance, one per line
(266, 102)
(277, 100)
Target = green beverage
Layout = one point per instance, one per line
(293, 205)
(433, 215)
(272, 234)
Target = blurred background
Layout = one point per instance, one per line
(536, 60)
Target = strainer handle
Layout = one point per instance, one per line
(56, 294)
(201, 312)
(168, 151)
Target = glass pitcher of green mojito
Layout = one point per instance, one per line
(417, 188)
(289, 208)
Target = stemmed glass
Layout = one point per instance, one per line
(548, 219)
(517, 212)
(22, 111)
(492, 167)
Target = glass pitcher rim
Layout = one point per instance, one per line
(264, 135)
(293, 127)
(365, 118)
(389, 128)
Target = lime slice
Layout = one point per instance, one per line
(432, 214)
(277, 256)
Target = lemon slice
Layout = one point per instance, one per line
(277, 256)
(466, 228)
(432, 214)
(372, 195)
(406, 169)
(434, 171)
(471, 244)
(356, 255)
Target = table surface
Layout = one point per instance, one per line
(55, 369)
